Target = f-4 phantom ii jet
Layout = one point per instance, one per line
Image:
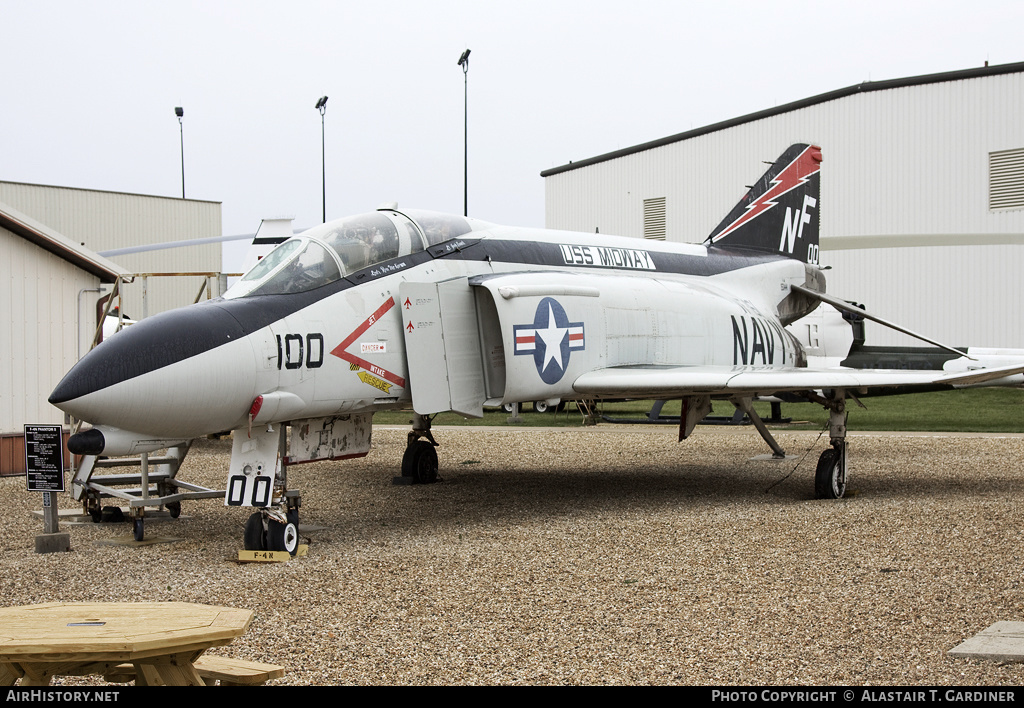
(396, 308)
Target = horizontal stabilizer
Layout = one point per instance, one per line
(976, 377)
(844, 306)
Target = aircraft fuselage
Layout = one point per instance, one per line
(542, 307)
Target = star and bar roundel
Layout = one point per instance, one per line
(550, 339)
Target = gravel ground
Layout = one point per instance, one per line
(610, 555)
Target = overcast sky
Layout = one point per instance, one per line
(89, 89)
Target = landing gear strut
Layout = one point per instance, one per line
(830, 475)
(744, 404)
(419, 463)
(275, 526)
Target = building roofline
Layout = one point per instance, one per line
(795, 105)
(108, 191)
(58, 244)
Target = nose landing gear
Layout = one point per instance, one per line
(272, 530)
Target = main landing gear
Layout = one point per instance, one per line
(419, 463)
(830, 475)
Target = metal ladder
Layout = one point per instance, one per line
(155, 484)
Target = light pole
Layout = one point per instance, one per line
(464, 63)
(321, 106)
(180, 112)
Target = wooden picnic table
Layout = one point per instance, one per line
(162, 640)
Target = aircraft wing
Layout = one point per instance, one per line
(675, 382)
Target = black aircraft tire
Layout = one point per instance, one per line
(283, 537)
(255, 538)
(830, 478)
(420, 462)
(424, 463)
(408, 460)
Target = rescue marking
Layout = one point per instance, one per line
(339, 351)
(550, 339)
(375, 382)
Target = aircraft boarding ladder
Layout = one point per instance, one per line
(154, 484)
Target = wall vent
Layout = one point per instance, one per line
(654, 218)
(1005, 179)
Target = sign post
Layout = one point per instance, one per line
(44, 472)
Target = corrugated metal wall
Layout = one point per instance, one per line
(903, 167)
(41, 329)
(109, 220)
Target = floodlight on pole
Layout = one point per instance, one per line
(321, 105)
(464, 63)
(180, 112)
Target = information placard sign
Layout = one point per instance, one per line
(44, 458)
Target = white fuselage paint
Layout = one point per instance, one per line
(641, 316)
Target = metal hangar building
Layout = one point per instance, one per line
(922, 195)
(52, 279)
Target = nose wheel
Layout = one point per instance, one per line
(265, 532)
(284, 536)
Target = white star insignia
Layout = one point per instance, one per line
(552, 337)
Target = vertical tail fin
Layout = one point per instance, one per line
(780, 212)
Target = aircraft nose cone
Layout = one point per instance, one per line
(147, 346)
(182, 373)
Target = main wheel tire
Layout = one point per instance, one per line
(830, 476)
(541, 407)
(283, 537)
(255, 537)
(409, 459)
(423, 469)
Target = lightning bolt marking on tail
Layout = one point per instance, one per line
(795, 174)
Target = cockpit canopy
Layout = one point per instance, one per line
(339, 248)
